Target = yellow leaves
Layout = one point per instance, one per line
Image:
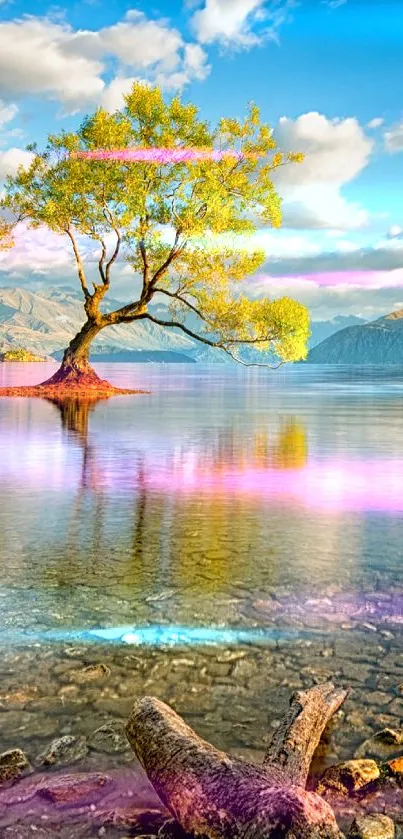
(6, 238)
(295, 157)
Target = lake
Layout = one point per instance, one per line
(229, 537)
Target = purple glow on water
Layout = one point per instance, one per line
(333, 484)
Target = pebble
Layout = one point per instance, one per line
(348, 777)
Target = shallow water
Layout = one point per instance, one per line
(238, 532)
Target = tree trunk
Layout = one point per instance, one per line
(213, 795)
(75, 368)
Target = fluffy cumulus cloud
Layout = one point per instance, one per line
(40, 56)
(11, 159)
(336, 151)
(36, 57)
(36, 250)
(241, 23)
(394, 139)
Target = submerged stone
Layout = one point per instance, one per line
(376, 826)
(65, 750)
(384, 745)
(109, 738)
(75, 789)
(92, 673)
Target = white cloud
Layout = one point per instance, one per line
(40, 56)
(36, 250)
(395, 232)
(195, 62)
(11, 159)
(335, 151)
(141, 43)
(391, 243)
(375, 123)
(227, 20)
(345, 246)
(394, 139)
(347, 295)
(7, 112)
(321, 207)
(286, 245)
(241, 23)
(35, 59)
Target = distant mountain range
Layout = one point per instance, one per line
(44, 322)
(377, 342)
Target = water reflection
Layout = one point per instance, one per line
(191, 545)
(195, 503)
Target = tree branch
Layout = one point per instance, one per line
(102, 261)
(80, 267)
(176, 296)
(220, 345)
(296, 739)
(109, 264)
(174, 253)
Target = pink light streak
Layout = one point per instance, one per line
(375, 280)
(334, 485)
(363, 279)
(161, 155)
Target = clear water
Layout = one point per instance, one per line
(238, 531)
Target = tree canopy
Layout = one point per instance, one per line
(175, 223)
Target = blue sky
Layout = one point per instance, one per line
(327, 76)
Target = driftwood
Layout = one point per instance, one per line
(211, 794)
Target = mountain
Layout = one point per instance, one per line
(43, 322)
(322, 329)
(377, 342)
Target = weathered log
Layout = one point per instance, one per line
(214, 795)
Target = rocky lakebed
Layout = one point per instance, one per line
(67, 769)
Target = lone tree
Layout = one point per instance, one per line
(169, 220)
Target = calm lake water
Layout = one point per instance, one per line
(229, 537)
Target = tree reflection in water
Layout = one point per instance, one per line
(124, 525)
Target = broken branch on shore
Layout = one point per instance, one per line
(211, 794)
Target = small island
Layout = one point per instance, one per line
(20, 354)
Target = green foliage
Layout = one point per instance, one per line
(175, 224)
